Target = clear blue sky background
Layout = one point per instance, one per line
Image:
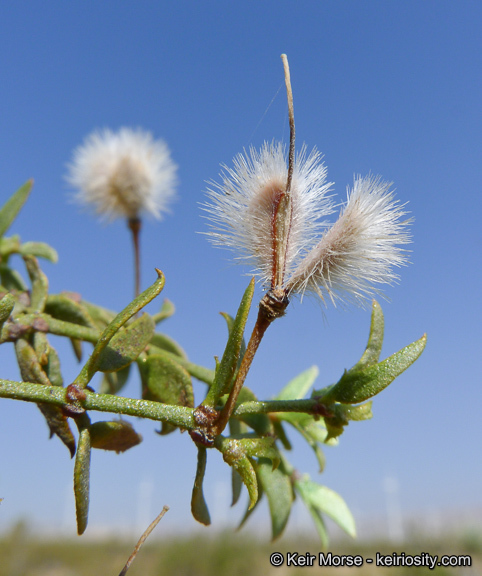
(391, 88)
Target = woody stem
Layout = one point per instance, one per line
(272, 306)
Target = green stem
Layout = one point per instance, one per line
(309, 406)
(58, 327)
(176, 415)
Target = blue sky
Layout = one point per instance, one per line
(388, 88)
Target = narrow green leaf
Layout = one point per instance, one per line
(41, 347)
(375, 339)
(260, 423)
(142, 300)
(117, 435)
(40, 250)
(250, 509)
(281, 434)
(166, 311)
(6, 306)
(277, 487)
(223, 379)
(235, 455)
(360, 412)
(82, 479)
(77, 348)
(113, 382)
(236, 486)
(166, 343)
(199, 507)
(126, 345)
(313, 431)
(52, 369)
(31, 371)
(230, 322)
(100, 316)
(236, 427)
(11, 279)
(298, 388)
(328, 502)
(12, 207)
(40, 284)
(358, 386)
(199, 372)
(164, 380)
(319, 525)
(66, 307)
(9, 245)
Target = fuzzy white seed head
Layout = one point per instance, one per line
(250, 215)
(359, 250)
(123, 174)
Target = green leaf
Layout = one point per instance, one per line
(117, 435)
(313, 431)
(251, 446)
(100, 316)
(53, 368)
(40, 284)
(82, 480)
(328, 502)
(281, 434)
(40, 250)
(31, 371)
(236, 427)
(375, 339)
(223, 379)
(199, 507)
(77, 348)
(166, 311)
(11, 279)
(65, 307)
(236, 486)
(41, 347)
(319, 524)
(164, 380)
(277, 487)
(250, 509)
(166, 343)
(260, 423)
(298, 388)
(126, 345)
(357, 386)
(235, 455)
(6, 306)
(12, 207)
(230, 322)
(142, 300)
(113, 382)
(199, 372)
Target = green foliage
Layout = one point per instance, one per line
(258, 441)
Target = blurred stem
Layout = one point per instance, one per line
(135, 225)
